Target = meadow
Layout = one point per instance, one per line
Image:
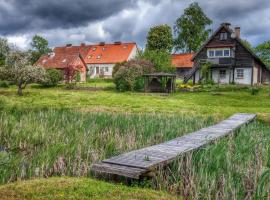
(60, 132)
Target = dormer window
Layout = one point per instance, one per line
(99, 56)
(223, 36)
(94, 48)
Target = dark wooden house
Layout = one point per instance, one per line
(230, 60)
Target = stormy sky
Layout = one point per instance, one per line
(92, 21)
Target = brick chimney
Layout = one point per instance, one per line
(68, 45)
(82, 44)
(237, 31)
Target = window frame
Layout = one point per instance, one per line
(222, 75)
(223, 36)
(219, 49)
(237, 73)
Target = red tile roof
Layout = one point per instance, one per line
(109, 53)
(61, 61)
(182, 60)
(90, 54)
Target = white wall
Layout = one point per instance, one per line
(247, 76)
(93, 72)
(216, 76)
(133, 53)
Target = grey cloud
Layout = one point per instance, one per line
(24, 15)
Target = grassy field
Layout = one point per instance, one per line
(76, 189)
(56, 131)
(220, 103)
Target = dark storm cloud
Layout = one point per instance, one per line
(91, 21)
(23, 15)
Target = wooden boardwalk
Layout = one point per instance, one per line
(138, 163)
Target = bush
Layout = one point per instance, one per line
(161, 60)
(117, 66)
(254, 90)
(52, 78)
(4, 84)
(129, 76)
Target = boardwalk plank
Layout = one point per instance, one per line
(136, 163)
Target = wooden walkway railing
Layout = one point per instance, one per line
(138, 163)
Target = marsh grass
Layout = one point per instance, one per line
(236, 167)
(52, 142)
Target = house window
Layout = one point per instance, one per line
(103, 48)
(223, 36)
(98, 56)
(106, 69)
(211, 54)
(94, 48)
(90, 56)
(219, 53)
(227, 53)
(222, 74)
(240, 73)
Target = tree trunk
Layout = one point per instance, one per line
(20, 90)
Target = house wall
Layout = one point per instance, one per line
(133, 53)
(93, 72)
(256, 74)
(216, 76)
(265, 76)
(247, 76)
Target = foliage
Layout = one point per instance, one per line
(129, 76)
(254, 90)
(4, 50)
(206, 72)
(161, 60)
(4, 84)
(233, 167)
(70, 74)
(117, 66)
(51, 142)
(52, 78)
(160, 38)
(20, 72)
(190, 29)
(76, 189)
(39, 47)
(247, 44)
(263, 51)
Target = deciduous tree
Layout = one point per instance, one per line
(191, 29)
(4, 49)
(160, 38)
(19, 71)
(39, 47)
(263, 51)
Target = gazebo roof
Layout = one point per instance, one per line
(160, 74)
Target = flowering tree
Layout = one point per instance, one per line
(70, 73)
(18, 70)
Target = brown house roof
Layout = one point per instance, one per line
(182, 60)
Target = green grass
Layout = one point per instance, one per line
(219, 104)
(237, 167)
(63, 142)
(55, 131)
(73, 188)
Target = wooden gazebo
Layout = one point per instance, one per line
(159, 82)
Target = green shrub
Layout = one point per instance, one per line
(254, 90)
(4, 84)
(117, 66)
(53, 77)
(129, 76)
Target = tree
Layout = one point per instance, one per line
(19, 71)
(247, 45)
(191, 29)
(129, 75)
(52, 78)
(161, 60)
(39, 47)
(4, 50)
(160, 38)
(263, 51)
